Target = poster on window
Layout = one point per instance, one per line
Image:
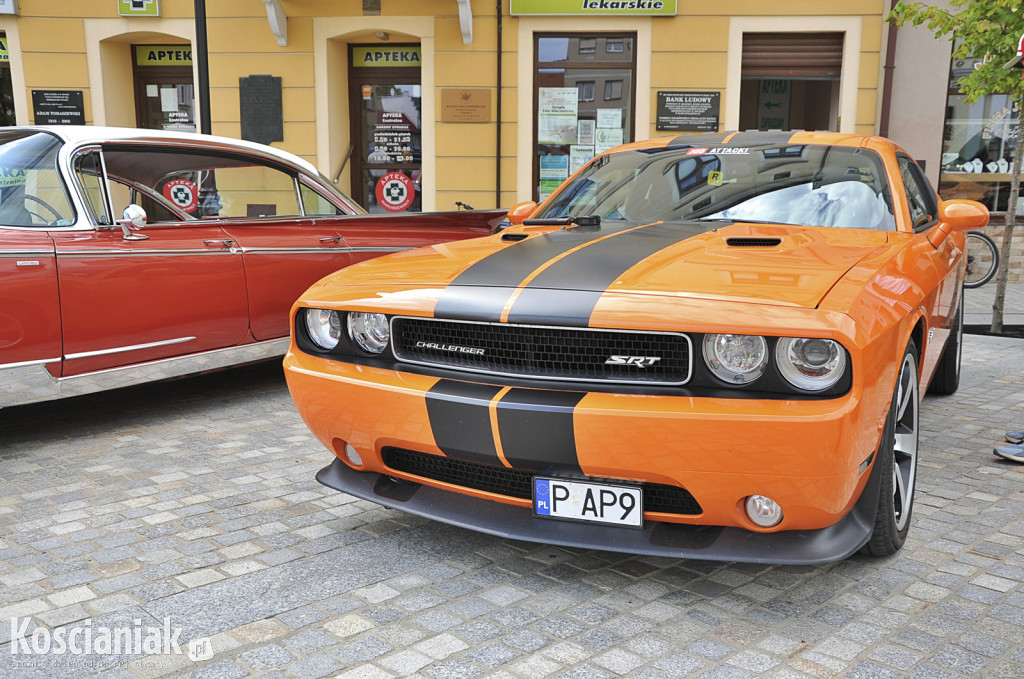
(557, 112)
(553, 171)
(579, 155)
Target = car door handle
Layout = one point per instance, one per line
(226, 243)
(331, 240)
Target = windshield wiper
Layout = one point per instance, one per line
(586, 221)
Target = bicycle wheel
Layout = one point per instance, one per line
(982, 259)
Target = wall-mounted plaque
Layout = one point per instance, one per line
(262, 117)
(688, 111)
(466, 105)
(58, 107)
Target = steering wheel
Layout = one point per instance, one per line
(56, 215)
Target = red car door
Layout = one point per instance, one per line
(29, 305)
(282, 258)
(180, 291)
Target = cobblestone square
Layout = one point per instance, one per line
(192, 505)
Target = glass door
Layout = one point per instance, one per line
(165, 103)
(584, 92)
(386, 134)
(164, 94)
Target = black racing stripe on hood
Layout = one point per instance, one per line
(497, 275)
(567, 292)
(536, 430)
(459, 414)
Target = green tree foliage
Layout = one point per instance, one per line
(990, 30)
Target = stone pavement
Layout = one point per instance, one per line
(194, 502)
(978, 305)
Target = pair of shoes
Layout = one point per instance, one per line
(1015, 437)
(1015, 453)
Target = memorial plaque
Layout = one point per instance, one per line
(466, 105)
(688, 111)
(262, 117)
(58, 107)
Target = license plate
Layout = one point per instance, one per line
(590, 502)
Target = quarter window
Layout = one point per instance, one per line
(920, 196)
(32, 192)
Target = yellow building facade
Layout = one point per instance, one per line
(484, 102)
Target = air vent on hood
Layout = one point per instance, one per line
(513, 237)
(752, 242)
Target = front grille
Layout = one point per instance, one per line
(545, 352)
(517, 483)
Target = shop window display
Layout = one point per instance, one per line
(978, 146)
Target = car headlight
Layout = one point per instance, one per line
(736, 359)
(324, 327)
(370, 331)
(810, 363)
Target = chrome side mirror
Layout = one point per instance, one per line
(134, 217)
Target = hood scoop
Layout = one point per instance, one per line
(753, 242)
(513, 237)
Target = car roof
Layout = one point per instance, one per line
(85, 134)
(753, 138)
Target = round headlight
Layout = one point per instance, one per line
(324, 326)
(369, 331)
(810, 363)
(736, 359)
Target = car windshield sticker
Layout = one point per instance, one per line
(183, 193)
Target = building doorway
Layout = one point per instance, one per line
(386, 113)
(164, 92)
(6, 87)
(790, 81)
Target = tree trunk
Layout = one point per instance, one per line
(1011, 221)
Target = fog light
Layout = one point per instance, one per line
(763, 511)
(353, 457)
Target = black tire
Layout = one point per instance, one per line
(897, 453)
(947, 374)
(982, 259)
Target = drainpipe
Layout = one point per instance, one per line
(887, 78)
(203, 67)
(497, 151)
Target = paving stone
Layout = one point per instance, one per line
(205, 510)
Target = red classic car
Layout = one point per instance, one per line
(236, 231)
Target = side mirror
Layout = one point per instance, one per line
(134, 217)
(963, 215)
(957, 215)
(520, 211)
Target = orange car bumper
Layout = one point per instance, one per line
(810, 456)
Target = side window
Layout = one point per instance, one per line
(89, 174)
(122, 194)
(315, 204)
(175, 185)
(248, 191)
(924, 208)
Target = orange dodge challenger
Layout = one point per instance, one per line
(709, 347)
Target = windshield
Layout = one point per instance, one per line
(32, 192)
(805, 185)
